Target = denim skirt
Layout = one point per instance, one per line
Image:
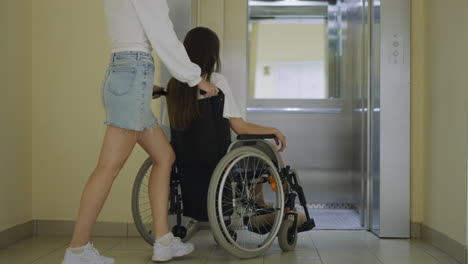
(127, 91)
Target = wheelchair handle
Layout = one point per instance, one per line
(160, 93)
(164, 93)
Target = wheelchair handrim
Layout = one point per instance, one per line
(279, 200)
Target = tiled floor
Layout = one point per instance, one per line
(314, 247)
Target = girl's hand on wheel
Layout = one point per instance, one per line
(157, 89)
(280, 138)
(209, 88)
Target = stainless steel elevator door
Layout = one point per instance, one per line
(326, 135)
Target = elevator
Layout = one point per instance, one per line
(334, 77)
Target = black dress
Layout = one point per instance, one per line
(198, 150)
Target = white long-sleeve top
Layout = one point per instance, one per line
(141, 25)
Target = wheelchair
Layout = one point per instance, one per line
(250, 199)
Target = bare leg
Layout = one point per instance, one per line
(260, 199)
(116, 148)
(259, 187)
(155, 143)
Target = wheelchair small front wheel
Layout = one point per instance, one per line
(287, 235)
(142, 214)
(179, 231)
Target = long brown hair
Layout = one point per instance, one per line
(202, 46)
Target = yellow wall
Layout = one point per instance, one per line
(419, 108)
(447, 57)
(439, 109)
(15, 113)
(298, 42)
(70, 53)
(293, 45)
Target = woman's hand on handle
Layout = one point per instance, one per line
(209, 88)
(157, 89)
(280, 138)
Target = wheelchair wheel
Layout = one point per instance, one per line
(241, 222)
(287, 235)
(141, 209)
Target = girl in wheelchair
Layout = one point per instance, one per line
(201, 129)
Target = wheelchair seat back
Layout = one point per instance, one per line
(198, 150)
(207, 139)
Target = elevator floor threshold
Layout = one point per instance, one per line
(336, 218)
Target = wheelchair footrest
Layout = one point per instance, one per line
(308, 225)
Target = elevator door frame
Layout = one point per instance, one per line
(389, 119)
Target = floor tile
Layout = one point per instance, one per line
(446, 260)
(133, 243)
(313, 247)
(21, 255)
(276, 256)
(41, 242)
(395, 248)
(219, 255)
(53, 257)
(104, 244)
(349, 257)
(130, 256)
(31, 249)
(413, 259)
(439, 255)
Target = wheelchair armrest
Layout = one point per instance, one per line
(249, 137)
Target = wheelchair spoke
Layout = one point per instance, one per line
(146, 219)
(245, 220)
(142, 211)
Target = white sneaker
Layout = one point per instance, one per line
(177, 248)
(90, 255)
